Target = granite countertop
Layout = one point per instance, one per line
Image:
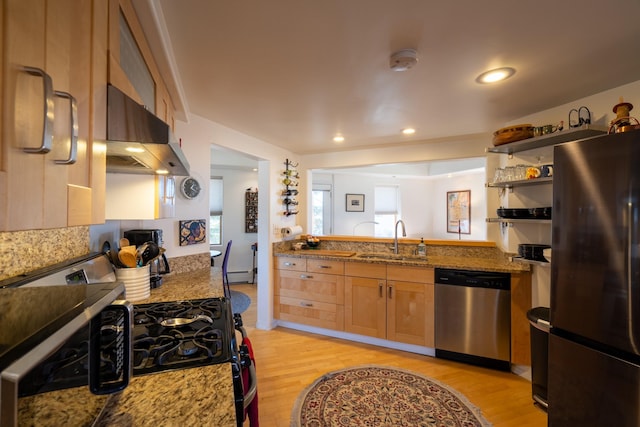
(196, 396)
(468, 261)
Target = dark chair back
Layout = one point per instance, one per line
(225, 276)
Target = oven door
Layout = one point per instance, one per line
(65, 379)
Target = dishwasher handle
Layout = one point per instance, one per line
(473, 279)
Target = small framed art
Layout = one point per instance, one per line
(355, 203)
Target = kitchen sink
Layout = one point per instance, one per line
(394, 257)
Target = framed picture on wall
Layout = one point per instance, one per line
(355, 203)
(193, 231)
(459, 212)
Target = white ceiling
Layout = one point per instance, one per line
(295, 72)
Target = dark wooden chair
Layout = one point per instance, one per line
(225, 276)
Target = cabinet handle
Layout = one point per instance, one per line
(324, 266)
(304, 276)
(73, 113)
(390, 291)
(289, 264)
(380, 287)
(306, 304)
(47, 126)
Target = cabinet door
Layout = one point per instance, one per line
(23, 115)
(38, 189)
(68, 62)
(410, 312)
(365, 306)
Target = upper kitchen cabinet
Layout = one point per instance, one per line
(52, 168)
(132, 67)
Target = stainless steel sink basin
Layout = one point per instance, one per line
(395, 257)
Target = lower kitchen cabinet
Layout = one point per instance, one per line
(521, 301)
(302, 295)
(390, 302)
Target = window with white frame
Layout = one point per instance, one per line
(387, 209)
(215, 210)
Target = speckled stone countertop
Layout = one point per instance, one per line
(474, 256)
(200, 396)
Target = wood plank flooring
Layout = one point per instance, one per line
(287, 361)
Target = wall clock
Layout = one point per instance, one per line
(190, 187)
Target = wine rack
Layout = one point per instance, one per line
(290, 180)
(251, 211)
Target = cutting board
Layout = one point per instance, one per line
(326, 252)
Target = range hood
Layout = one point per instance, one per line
(138, 142)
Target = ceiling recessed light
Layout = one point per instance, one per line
(495, 75)
(408, 131)
(338, 138)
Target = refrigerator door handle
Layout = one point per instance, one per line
(630, 277)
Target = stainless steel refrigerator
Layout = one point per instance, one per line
(594, 343)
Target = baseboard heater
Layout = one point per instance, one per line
(229, 273)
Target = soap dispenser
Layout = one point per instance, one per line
(422, 248)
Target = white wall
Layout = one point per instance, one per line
(235, 184)
(422, 203)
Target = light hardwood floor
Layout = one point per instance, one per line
(287, 361)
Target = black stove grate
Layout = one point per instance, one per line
(207, 336)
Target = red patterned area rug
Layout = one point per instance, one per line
(379, 396)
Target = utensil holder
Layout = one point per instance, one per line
(136, 282)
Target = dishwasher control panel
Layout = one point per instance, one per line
(470, 278)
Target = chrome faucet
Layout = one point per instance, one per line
(395, 240)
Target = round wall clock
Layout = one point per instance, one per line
(190, 187)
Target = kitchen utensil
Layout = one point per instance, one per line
(512, 134)
(128, 257)
(533, 252)
(540, 213)
(546, 171)
(150, 252)
(624, 124)
(113, 257)
(124, 242)
(533, 172)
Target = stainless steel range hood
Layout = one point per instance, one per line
(138, 142)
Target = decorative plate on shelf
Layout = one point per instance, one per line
(512, 134)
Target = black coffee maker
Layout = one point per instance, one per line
(160, 265)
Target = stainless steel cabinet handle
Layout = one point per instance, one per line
(304, 276)
(324, 266)
(306, 304)
(47, 126)
(289, 264)
(73, 113)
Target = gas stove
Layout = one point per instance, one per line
(182, 334)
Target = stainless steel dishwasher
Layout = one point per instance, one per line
(472, 317)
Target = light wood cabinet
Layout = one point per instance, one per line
(47, 102)
(303, 295)
(390, 302)
(521, 301)
(151, 80)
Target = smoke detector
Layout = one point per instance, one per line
(403, 59)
